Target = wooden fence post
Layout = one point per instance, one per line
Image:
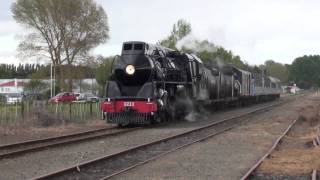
(90, 108)
(22, 109)
(70, 112)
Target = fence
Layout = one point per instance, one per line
(47, 114)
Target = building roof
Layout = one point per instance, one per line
(12, 83)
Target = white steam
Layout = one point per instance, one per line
(219, 62)
(190, 42)
(192, 116)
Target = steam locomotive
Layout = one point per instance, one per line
(150, 84)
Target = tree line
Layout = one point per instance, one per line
(8, 71)
(42, 71)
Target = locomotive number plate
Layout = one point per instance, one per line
(128, 104)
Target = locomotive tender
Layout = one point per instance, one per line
(150, 83)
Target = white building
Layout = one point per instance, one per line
(12, 87)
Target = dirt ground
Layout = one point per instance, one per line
(296, 156)
(14, 134)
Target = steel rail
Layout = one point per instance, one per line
(6, 146)
(314, 174)
(316, 143)
(79, 168)
(168, 152)
(16, 149)
(257, 164)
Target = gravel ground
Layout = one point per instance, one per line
(296, 155)
(39, 163)
(226, 156)
(30, 133)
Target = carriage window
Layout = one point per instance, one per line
(138, 46)
(127, 47)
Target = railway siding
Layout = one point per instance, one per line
(297, 156)
(226, 156)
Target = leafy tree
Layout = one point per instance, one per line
(277, 70)
(103, 71)
(305, 71)
(180, 29)
(254, 69)
(40, 73)
(62, 30)
(35, 86)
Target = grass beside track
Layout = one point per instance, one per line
(44, 113)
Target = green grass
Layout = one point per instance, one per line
(9, 113)
(75, 112)
(78, 112)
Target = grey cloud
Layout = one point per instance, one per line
(255, 30)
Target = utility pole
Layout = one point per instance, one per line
(51, 90)
(54, 80)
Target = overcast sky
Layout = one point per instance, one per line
(257, 30)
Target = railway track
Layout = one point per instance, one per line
(314, 174)
(316, 143)
(112, 165)
(16, 149)
(250, 172)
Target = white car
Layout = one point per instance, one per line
(77, 96)
(88, 97)
(13, 98)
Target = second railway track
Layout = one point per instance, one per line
(250, 172)
(16, 149)
(111, 165)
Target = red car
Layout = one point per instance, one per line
(63, 97)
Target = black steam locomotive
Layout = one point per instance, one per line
(150, 83)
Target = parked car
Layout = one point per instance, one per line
(14, 98)
(77, 96)
(63, 97)
(88, 97)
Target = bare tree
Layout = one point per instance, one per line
(63, 30)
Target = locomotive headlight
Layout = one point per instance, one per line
(130, 69)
